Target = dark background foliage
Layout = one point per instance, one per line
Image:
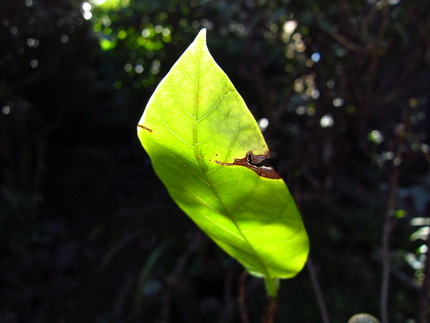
(89, 234)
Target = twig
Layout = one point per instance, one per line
(192, 248)
(386, 232)
(385, 20)
(423, 301)
(367, 19)
(345, 42)
(396, 272)
(413, 136)
(177, 270)
(317, 290)
(348, 16)
(312, 272)
(121, 299)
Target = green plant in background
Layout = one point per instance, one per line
(207, 149)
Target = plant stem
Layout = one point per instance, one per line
(423, 301)
(386, 232)
(317, 290)
(272, 287)
(385, 273)
(270, 311)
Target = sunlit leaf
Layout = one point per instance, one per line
(206, 147)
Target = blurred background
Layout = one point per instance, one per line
(89, 234)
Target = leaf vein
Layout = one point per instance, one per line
(179, 103)
(216, 105)
(176, 135)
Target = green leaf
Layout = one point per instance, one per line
(206, 147)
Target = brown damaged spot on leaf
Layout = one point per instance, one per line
(143, 127)
(254, 162)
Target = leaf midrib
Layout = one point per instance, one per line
(202, 166)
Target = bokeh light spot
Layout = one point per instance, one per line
(315, 57)
(326, 121)
(375, 136)
(6, 109)
(338, 102)
(263, 123)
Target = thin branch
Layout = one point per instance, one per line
(373, 49)
(413, 136)
(198, 239)
(367, 19)
(241, 298)
(423, 301)
(386, 232)
(312, 272)
(317, 290)
(345, 42)
(348, 16)
(385, 21)
(177, 270)
(400, 275)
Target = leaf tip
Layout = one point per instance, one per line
(202, 35)
(199, 42)
(203, 31)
